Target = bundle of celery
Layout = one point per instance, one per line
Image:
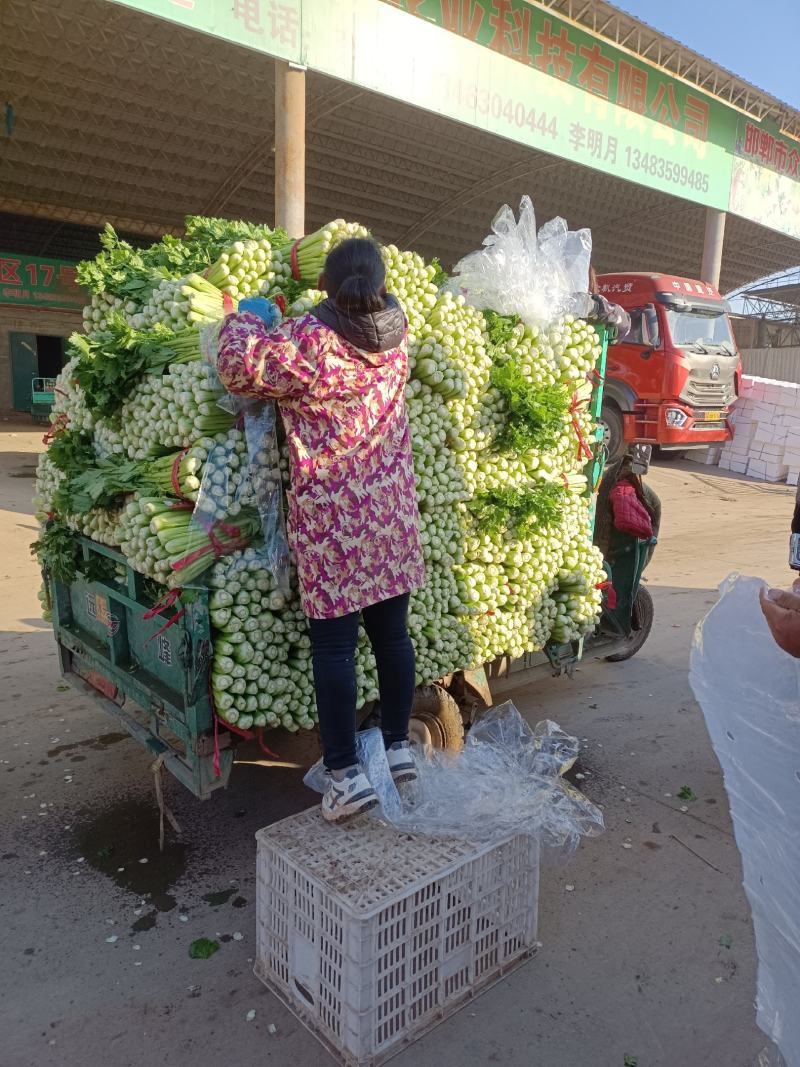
(500, 429)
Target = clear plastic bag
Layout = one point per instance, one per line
(240, 495)
(539, 277)
(749, 691)
(506, 780)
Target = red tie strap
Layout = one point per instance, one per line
(611, 596)
(583, 447)
(160, 607)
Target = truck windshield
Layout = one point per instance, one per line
(696, 328)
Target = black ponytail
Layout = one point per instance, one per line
(355, 276)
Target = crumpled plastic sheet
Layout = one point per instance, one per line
(506, 780)
(749, 690)
(228, 485)
(538, 276)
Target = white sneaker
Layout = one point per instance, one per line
(350, 796)
(401, 762)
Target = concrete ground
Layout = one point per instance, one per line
(647, 950)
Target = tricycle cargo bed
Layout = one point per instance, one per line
(149, 668)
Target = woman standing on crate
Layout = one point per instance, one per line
(339, 375)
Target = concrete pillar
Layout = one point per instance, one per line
(712, 246)
(290, 148)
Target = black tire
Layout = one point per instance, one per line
(613, 431)
(642, 620)
(436, 718)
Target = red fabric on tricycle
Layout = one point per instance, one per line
(630, 514)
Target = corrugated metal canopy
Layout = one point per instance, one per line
(782, 294)
(123, 117)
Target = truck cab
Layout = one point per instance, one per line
(673, 379)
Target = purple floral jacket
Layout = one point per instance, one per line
(353, 517)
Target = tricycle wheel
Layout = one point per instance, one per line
(613, 427)
(641, 625)
(436, 719)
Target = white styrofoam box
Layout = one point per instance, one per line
(756, 468)
(743, 435)
(763, 411)
(781, 390)
(739, 466)
(776, 470)
(371, 936)
(708, 457)
(765, 433)
(698, 455)
(774, 449)
(793, 477)
(724, 464)
(791, 457)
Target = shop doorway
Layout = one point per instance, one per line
(33, 356)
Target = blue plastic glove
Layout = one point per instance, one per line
(268, 312)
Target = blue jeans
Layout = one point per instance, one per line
(334, 658)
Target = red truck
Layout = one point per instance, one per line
(673, 379)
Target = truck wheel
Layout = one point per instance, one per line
(641, 622)
(613, 431)
(436, 719)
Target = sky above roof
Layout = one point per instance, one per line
(757, 42)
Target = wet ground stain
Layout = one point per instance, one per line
(115, 840)
(222, 897)
(97, 744)
(23, 472)
(147, 922)
(240, 902)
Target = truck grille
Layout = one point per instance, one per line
(708, 394)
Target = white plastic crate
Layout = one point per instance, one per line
(372, 936)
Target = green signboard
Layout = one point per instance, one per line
(612, 117)
(518, 71)
(538, 39)
(765, 185)
(37, 281)
(272, 26)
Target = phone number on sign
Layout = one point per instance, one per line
(659, 167)
(485, 102)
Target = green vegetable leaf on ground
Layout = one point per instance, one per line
(726, 941)
(630, 1061)
(203, 948)
(686, 793)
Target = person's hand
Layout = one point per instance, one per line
(782, 611)
(268, 312)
